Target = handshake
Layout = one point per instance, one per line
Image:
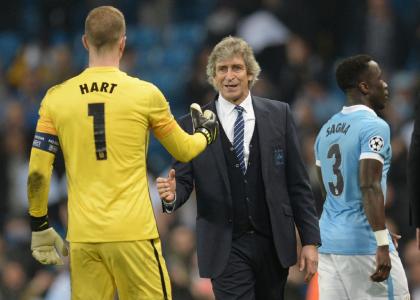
(205, 123)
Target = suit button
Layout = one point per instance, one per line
(245, 181)
(247, 199)
(231, 149)
(230, 220)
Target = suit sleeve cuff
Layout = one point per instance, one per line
(313, 243)
(169, 207)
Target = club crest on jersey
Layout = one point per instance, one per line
(376, 143)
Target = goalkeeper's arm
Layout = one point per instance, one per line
(184, 147)
(45, 241)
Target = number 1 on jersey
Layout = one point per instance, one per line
(97, 111)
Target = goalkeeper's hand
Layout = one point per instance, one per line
(205, 123)
(47, 245)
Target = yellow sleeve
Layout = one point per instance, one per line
(181, 145)
(160, 116)
(40, 166)
(45, 123)
(40, 169)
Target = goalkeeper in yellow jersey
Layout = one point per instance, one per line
(101, 119)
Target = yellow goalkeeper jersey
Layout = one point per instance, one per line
(102, 119)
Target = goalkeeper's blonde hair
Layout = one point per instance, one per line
(228, 48)
(104, 27)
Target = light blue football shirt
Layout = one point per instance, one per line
(355, 133)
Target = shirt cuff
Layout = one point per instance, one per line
(169, 206)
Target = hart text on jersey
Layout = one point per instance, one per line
(104, 87)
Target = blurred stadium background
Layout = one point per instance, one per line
(297, 44)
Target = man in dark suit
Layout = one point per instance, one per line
(251, 184)
(413, 177)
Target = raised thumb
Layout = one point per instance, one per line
(171, 174)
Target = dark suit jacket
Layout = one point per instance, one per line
(413, 178)
(288, 193)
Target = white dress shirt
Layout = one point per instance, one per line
(227, 117)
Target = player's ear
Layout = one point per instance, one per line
(84, 42)
(363, 87)
(121, 45)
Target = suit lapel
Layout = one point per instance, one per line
(264, 128)
(217, 151)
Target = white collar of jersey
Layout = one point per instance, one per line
(354, 108)
(228, 107)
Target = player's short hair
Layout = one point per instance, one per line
(349, 71)
(230, 47)
(104, 27)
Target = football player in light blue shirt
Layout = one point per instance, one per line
(353, 155)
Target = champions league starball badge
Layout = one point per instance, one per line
(376, 143)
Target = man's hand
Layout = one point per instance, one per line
(167, 187)
(47, 245)
(395, 237)
(309, 260)
(204, 123)
(418, 238)
(383, 264)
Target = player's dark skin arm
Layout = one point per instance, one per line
(370, 175)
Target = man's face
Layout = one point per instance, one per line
(378, 88)
(231, 79)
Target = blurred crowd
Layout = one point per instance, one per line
(297, 44)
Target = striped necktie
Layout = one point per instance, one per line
(238, 137)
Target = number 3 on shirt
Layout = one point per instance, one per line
(97, 111)
(336, 189)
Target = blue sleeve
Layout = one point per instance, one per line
(375, 140)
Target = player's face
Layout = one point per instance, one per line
(232, 79)
(378, 88)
